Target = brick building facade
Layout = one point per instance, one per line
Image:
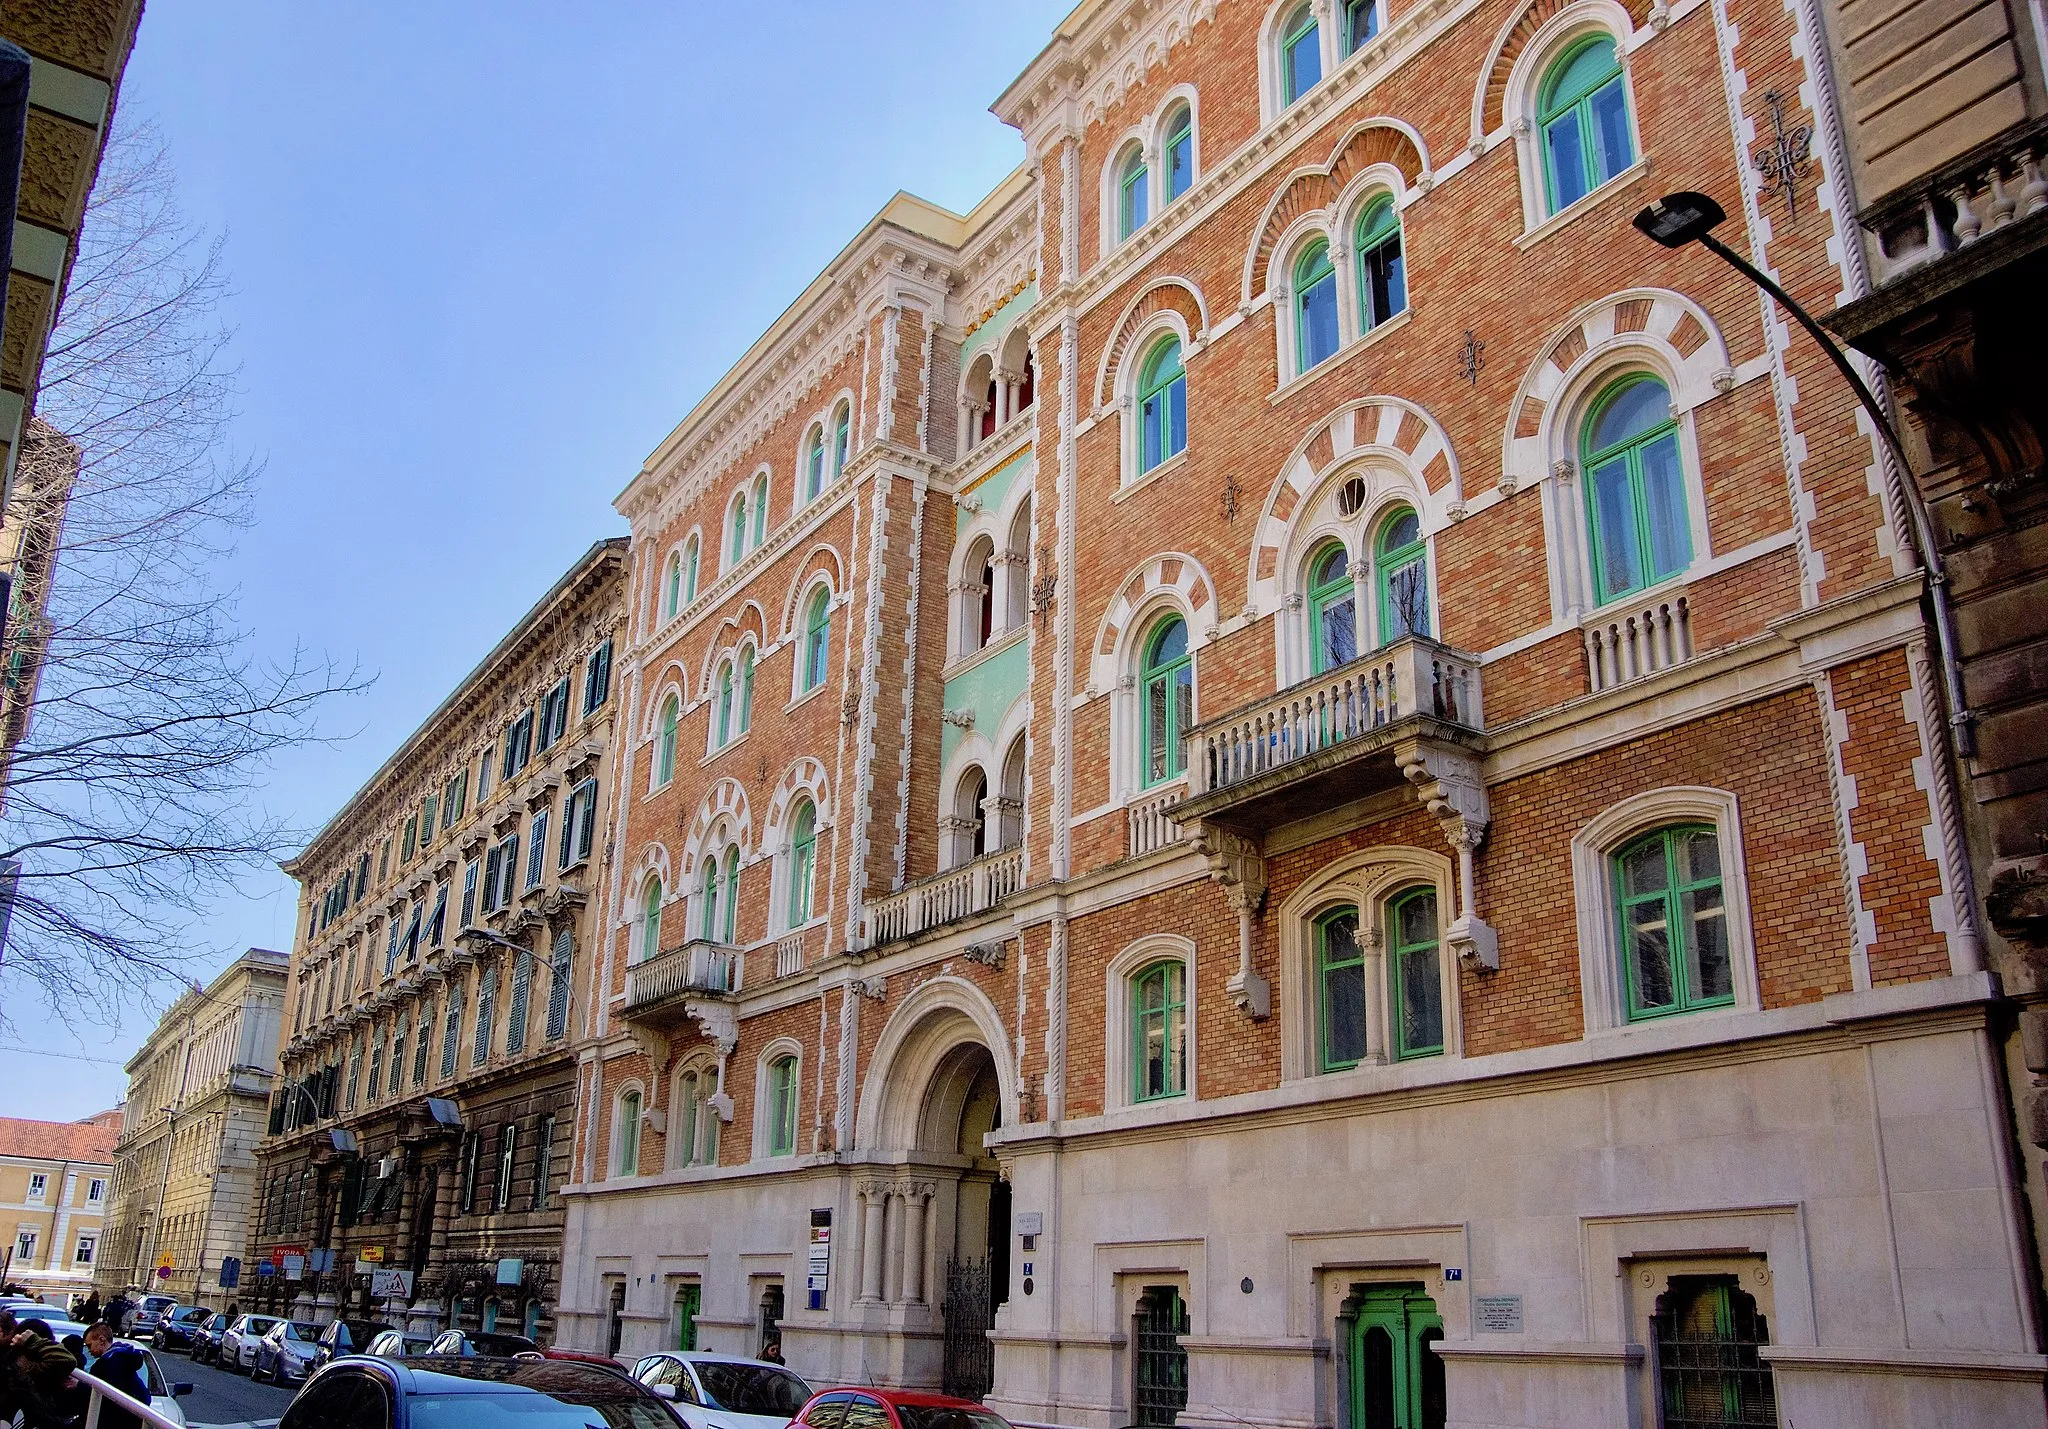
(447, 928)
(1289, 778)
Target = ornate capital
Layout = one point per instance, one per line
(718, 1021)
(1236, 862)
(1449, 784)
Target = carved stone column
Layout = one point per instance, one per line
(892, 1265)
(874, 1212)
(1374, 946)
(1449, 783)
(915, 1199)
(1237, 863)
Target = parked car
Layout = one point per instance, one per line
(238, 1342)
(398, 1345)
(895, 1409)
(153, 1308)
(346, 1337)
(206, 1338)
(724, 1391)
(174, 1331)
(489, 1343)
(163, 1394)
(476, 1393)
(285, 1353)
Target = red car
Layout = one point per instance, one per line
(894, 1409)
(584, 1357)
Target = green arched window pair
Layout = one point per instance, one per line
(1382, 284)
(1134, 175)
(1582, 114)
(1301, 43)
(735, 697)
(1400, 573)
(1414, 981)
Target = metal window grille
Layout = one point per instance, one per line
(771, 1319)
(1709, 1375)
(1161, 1391)
(970, 1364)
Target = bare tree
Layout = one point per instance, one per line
(132, 798)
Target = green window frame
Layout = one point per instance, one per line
(814, 464)
(689, 1305)
(650, 920)
(1582, 115)
(760, 509)
(1707, 1335)
(1167, 700)
(1382, 272)
(690, 564)
(1162, 406)
(1159, 1031)
(629, 1135)
(817, 638)
(1180, 152)
(803, 863)
(782, 1106)
(1340, 989)
(1301, 55)
(673, 598)
(1333, 608)
(732, 894)
(665, 748)
(725, 704)
(1316, 332)
(842, 436)
(1670, 905)
(1415, 999)
(1361, 23)
(746, 689)
(689, 1104)
(713, 886)
(1401, 577)
(739, 527)
(1635, 484)
(1133, 194)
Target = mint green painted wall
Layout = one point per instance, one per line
(993, 490)
(991, 333)
(989, 689)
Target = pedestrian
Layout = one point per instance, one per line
(116, 1313)
(89, 1312)
(120, 1366)
(35, 1373)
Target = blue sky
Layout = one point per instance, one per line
(485, 256)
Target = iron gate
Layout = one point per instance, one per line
(1707, 1333)
(970, 1370)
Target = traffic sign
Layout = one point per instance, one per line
(166, 1262)
(163, 1272)
(391, 1284)
(370, 1255)
(230, 1272)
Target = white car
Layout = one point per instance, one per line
(714, 1391)
(238, 1342)
(163, 1395)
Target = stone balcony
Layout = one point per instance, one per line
(948, 897)
(667, 980)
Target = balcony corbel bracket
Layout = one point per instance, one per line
(1239, 865)
(1453, 790)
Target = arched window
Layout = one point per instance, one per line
(817, 637)
(1340, 990)
(672, 588)
(969, 821)
(1382, 281)
(746, 689)
(1179, 151)
(1315, 305)
(1333, 608)
(1162, 406)
(731, 900)
(1415, 993)
(782, 1106)
(1133, 197)
(628, 1138)
(1635, 486)
(1361, 22)
(1301, 54)
(690, 570)
(1401, 577)
(803, 862)
(842, 438)
(725, 704)
(1708, 1334)
(760, 509)
(1168, 699)
(713, 889)
(685, 1110)
(1159, 1031)
(665, 746)
(982, 568)
(650, 920)
(1674, 929)
(739, 528)
(814, 464)
(1583, 113)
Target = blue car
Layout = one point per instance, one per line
(444, 1392)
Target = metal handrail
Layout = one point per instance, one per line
(105, 1393)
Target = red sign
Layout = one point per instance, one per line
(279, 1252)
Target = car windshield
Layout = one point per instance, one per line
(751, 1388)
(302, 1330)
(258, 1324)
(191, 1316)
(946, 1416)
(486, 1343)
(530, 1411)
(218, 1322)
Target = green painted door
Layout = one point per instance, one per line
(689, 1300)
(1397, 1378)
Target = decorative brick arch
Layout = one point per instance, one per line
(1309, 190)
(820, 557)
(1391, 429)
(803, 779)
(1179, 296)
(674, 680)
(1670, 333)
(1178, 575)
(1488, 109)
(749, 619)
(726, 801)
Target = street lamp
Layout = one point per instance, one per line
(1688, 217)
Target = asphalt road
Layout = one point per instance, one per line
(221, 1398)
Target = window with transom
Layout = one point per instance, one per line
(1301, 54)
(650, 919)
(1178, 153)
(1415, 999)
(1133, 193)
(672, 587)
(693, 1121)
(665, 742)
(1159, 1032)
(782, 1106)
(1167, 700)
(814, 464)
(626, 1134)
(1332, 608)
(1582, 114)
(817, 638)
(803, 862)
(1673, 922)
(1635, 488)
(1162, 405)
(1382, 277)
(842, 438)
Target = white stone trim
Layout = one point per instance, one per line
(901, 1066)
(1117, 1069)
(763, 1103)
(1519, 99)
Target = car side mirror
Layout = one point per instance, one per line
(666, 1391)
(181, 1389)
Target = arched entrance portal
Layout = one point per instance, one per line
(963, 1105)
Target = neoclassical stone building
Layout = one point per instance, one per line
(447, 924)
(199, 1091)
(1288, 777)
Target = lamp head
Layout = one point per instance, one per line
(1678, 219)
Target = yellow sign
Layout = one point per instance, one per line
(371, 1254)
(166, 1261)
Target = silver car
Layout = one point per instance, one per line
(238, 1342)
(153, 1308)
